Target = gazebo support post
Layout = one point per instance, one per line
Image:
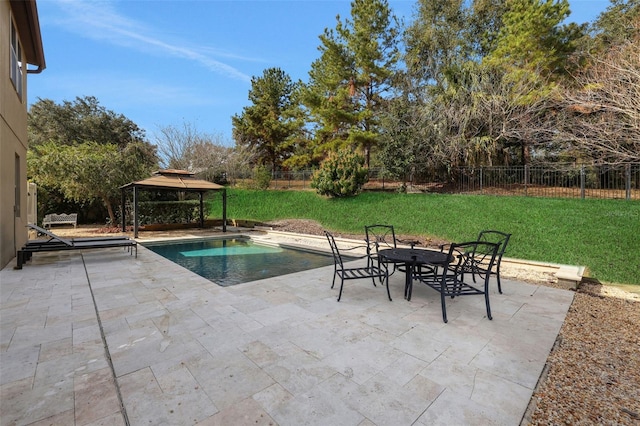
(135, 211)
(224, 210)
(201, 209)
(124, 224)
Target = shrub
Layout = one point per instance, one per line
(187, 211)
(261, 177)
(341, 175)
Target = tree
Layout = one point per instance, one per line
(186, 148)
(532, 44)
(273, 121)
(348, 83)
(401, 131)
(89, 170)
(436, 41)
(617, 24)
(602, 116)
(82, 120)
(440, 125)
(532, 55)
(85, 151)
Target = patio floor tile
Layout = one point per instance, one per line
(276, 351)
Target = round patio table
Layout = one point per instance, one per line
(412, 257)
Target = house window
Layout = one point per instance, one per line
(16, 60)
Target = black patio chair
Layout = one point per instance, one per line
(380, 237)
(469, 260)
(502, 239)
(372, 271)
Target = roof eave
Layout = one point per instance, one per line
(25, 13)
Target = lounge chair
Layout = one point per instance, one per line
(53, 238)
(57, 243)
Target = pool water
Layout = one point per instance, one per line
(233, 261)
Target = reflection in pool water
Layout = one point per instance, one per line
(237, 260)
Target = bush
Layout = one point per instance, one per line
(341, 175)
(151, 212)
(261, 177)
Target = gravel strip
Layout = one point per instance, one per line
(593, 373)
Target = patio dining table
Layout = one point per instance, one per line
(412, 258)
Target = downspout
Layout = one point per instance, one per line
(36, 71)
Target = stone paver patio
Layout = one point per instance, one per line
(103, 338)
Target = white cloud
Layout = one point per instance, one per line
(100, 21)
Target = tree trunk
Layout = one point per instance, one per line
(112, 216)
(526, 153)
(367, 155)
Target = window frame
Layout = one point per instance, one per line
(15, 61)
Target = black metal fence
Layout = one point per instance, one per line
(545, 180)
(556, 180)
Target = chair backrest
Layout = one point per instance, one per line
(496, 237)
(477, 257)
(337, 258)
(50, 234)
(379, 237)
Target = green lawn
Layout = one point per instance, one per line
(603, 235)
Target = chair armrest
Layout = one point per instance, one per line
(411, 243)
(443, 246)
(356, 247)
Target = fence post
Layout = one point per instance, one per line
(481, 182)
(627, 185)
(582, 181)
(526, 180)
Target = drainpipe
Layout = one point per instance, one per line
(35, 71)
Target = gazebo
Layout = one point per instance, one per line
(172, 180)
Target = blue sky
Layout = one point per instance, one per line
(166, 62)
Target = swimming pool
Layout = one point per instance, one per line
(239, 260)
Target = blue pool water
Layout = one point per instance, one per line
(237, 260)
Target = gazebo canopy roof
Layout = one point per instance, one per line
(180, 180)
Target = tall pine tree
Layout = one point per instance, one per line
(349, 82)
(271, 124)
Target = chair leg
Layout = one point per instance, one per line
(387, 285)
(373, 280)
(379, 269)
(341, 285)
(335, 272)
(444, 307)
(20, 259)
(486, 301)
(498, 279)
(486, 297)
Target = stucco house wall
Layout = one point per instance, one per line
(13, 123)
